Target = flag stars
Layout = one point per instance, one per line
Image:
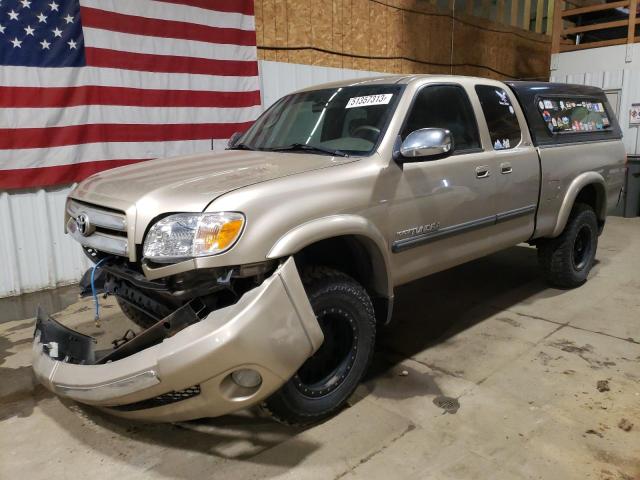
(54, 6)
(29, 30)
(45, 45)
(13, 15)
(68, 19)
(72, 45)
(2, 29)
(42, 18)
(57, 32)
(16, 43)
(26, 4)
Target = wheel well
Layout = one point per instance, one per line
(359, 258)
(594, 197)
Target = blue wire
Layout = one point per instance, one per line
(93, 288)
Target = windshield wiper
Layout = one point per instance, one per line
(241, 146)
(309, 148)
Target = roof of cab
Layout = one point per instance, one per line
(388, 79)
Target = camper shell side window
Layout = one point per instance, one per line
(583, 116)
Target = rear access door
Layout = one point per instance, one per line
(517, 164)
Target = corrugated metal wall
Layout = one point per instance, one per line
(608, 69)
(34, 252)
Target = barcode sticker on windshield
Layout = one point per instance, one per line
(368, 100)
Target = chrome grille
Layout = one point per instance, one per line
(98, 228)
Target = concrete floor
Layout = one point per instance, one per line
(522, 360)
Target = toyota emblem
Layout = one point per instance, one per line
(84, 225)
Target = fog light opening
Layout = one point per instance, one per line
(241, 384)
(247, 378)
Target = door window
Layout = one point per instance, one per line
(501, 118)
(444, 106)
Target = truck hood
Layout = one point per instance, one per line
(188, 184)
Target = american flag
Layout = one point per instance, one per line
(87, 85)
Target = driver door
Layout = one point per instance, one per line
(443, 209)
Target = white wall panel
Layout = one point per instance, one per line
(576, 78)
(607, 68)
(34, 251)
(613, 79)
(594, 79)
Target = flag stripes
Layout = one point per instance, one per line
(103, 57)
(118, 22)
(13, 138)
(31, 97)
(241, 6)
(127, 42)
(61, 174)
(157, 78)
(71, 155)
(107, 114)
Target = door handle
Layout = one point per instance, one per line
(482, 171)
(505, 168)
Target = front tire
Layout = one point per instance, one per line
(136, 316)
(567, 260)
(327, 379)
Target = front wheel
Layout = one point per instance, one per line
(326, 380)
(141, 319)
(567, 259)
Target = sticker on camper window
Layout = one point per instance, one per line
(574, 115)
(369, 100)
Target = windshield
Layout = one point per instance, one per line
(341, 121)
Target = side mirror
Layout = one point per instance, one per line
(426, 142)
(233, 139)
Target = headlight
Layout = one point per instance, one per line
(187, 235)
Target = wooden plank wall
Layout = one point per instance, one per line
(400, 36)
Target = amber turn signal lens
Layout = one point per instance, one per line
(218, 237)
(217, 232)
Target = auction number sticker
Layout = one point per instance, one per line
(368, 100)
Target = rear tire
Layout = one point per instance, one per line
(567, 260)
(326, 380)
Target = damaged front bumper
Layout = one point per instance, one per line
(271, 330)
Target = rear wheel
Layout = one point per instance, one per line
(326, 380)
(567, 260)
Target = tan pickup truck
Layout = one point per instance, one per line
(258, 275)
